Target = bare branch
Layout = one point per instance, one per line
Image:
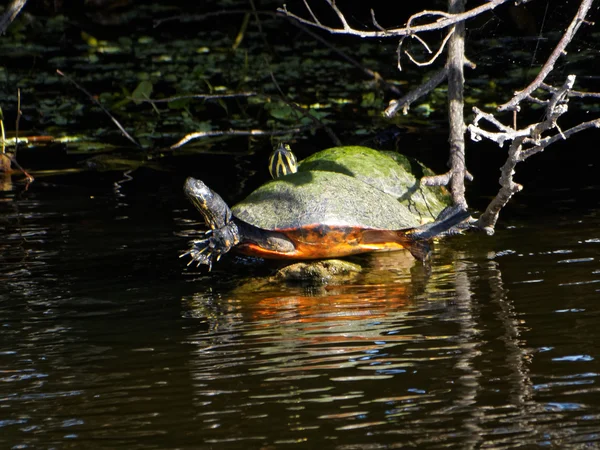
(577, 94)
(456, 82)
(526, 153)
(311, 12)
(97, 102)
(12, 11)
(490, 118)
(375, 75)
(506, 133)
(487, 221)
(579, 18)
(204, 134)
(318, 123)
(446, 21)
(444, 179)
(375, 23)
(434, 57)
(339, 14)
(199, 96)
(425, 13)
(413, 95)
(556, 106)
(422, 41)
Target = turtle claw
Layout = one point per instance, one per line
(201, 253)
(215, 243)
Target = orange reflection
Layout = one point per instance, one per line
(350, 302)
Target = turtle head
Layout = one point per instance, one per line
(210, 204)
(282, 161)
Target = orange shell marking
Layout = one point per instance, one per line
(323, 241)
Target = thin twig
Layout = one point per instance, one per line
(2, 133)
(437, 54)
(204, 134)
(18, 120)
(12, 10)
(336, 141)
(198, 96)
(422, 41)
(312, 14)
(375, 75)
(556, 106)
(14, 161)
(260, 28)
(526, 153)
(339, 14)
(446, 21)
(375, 23)
(577, 94)
(94, 100)
(567, 37)
(422, 90)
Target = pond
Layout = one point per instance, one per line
(110, 341)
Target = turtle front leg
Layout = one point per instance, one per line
(224, 233)
(216, 243)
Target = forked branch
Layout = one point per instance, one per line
(524, 142)
(443, 20)
(579, 18)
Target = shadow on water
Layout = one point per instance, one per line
(110, 341)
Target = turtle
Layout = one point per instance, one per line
(338, 202)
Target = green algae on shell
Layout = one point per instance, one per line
(354, 186)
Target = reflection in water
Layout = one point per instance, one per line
(314, 332)
(379, 359)
(106, 344)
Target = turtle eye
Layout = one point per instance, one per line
(282, 161)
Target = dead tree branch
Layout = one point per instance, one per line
(12, 11)
(525, 142)
(203, 17)
(421, 91)
(444, 20)
(513, 104)
(456, 82)
(97, 102)
(528, 141)
(455, 177)
(430, 60)
(205, 134)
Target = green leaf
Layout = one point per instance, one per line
(280, 111)
(142, 92)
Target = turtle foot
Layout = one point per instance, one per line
(214, 245)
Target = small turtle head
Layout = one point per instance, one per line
(282, 161)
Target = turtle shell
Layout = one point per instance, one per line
(345, 186)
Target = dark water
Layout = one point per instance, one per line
(109, 341)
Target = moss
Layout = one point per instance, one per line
(390, 172)
(354, 186)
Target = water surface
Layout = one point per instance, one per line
(110, 341)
